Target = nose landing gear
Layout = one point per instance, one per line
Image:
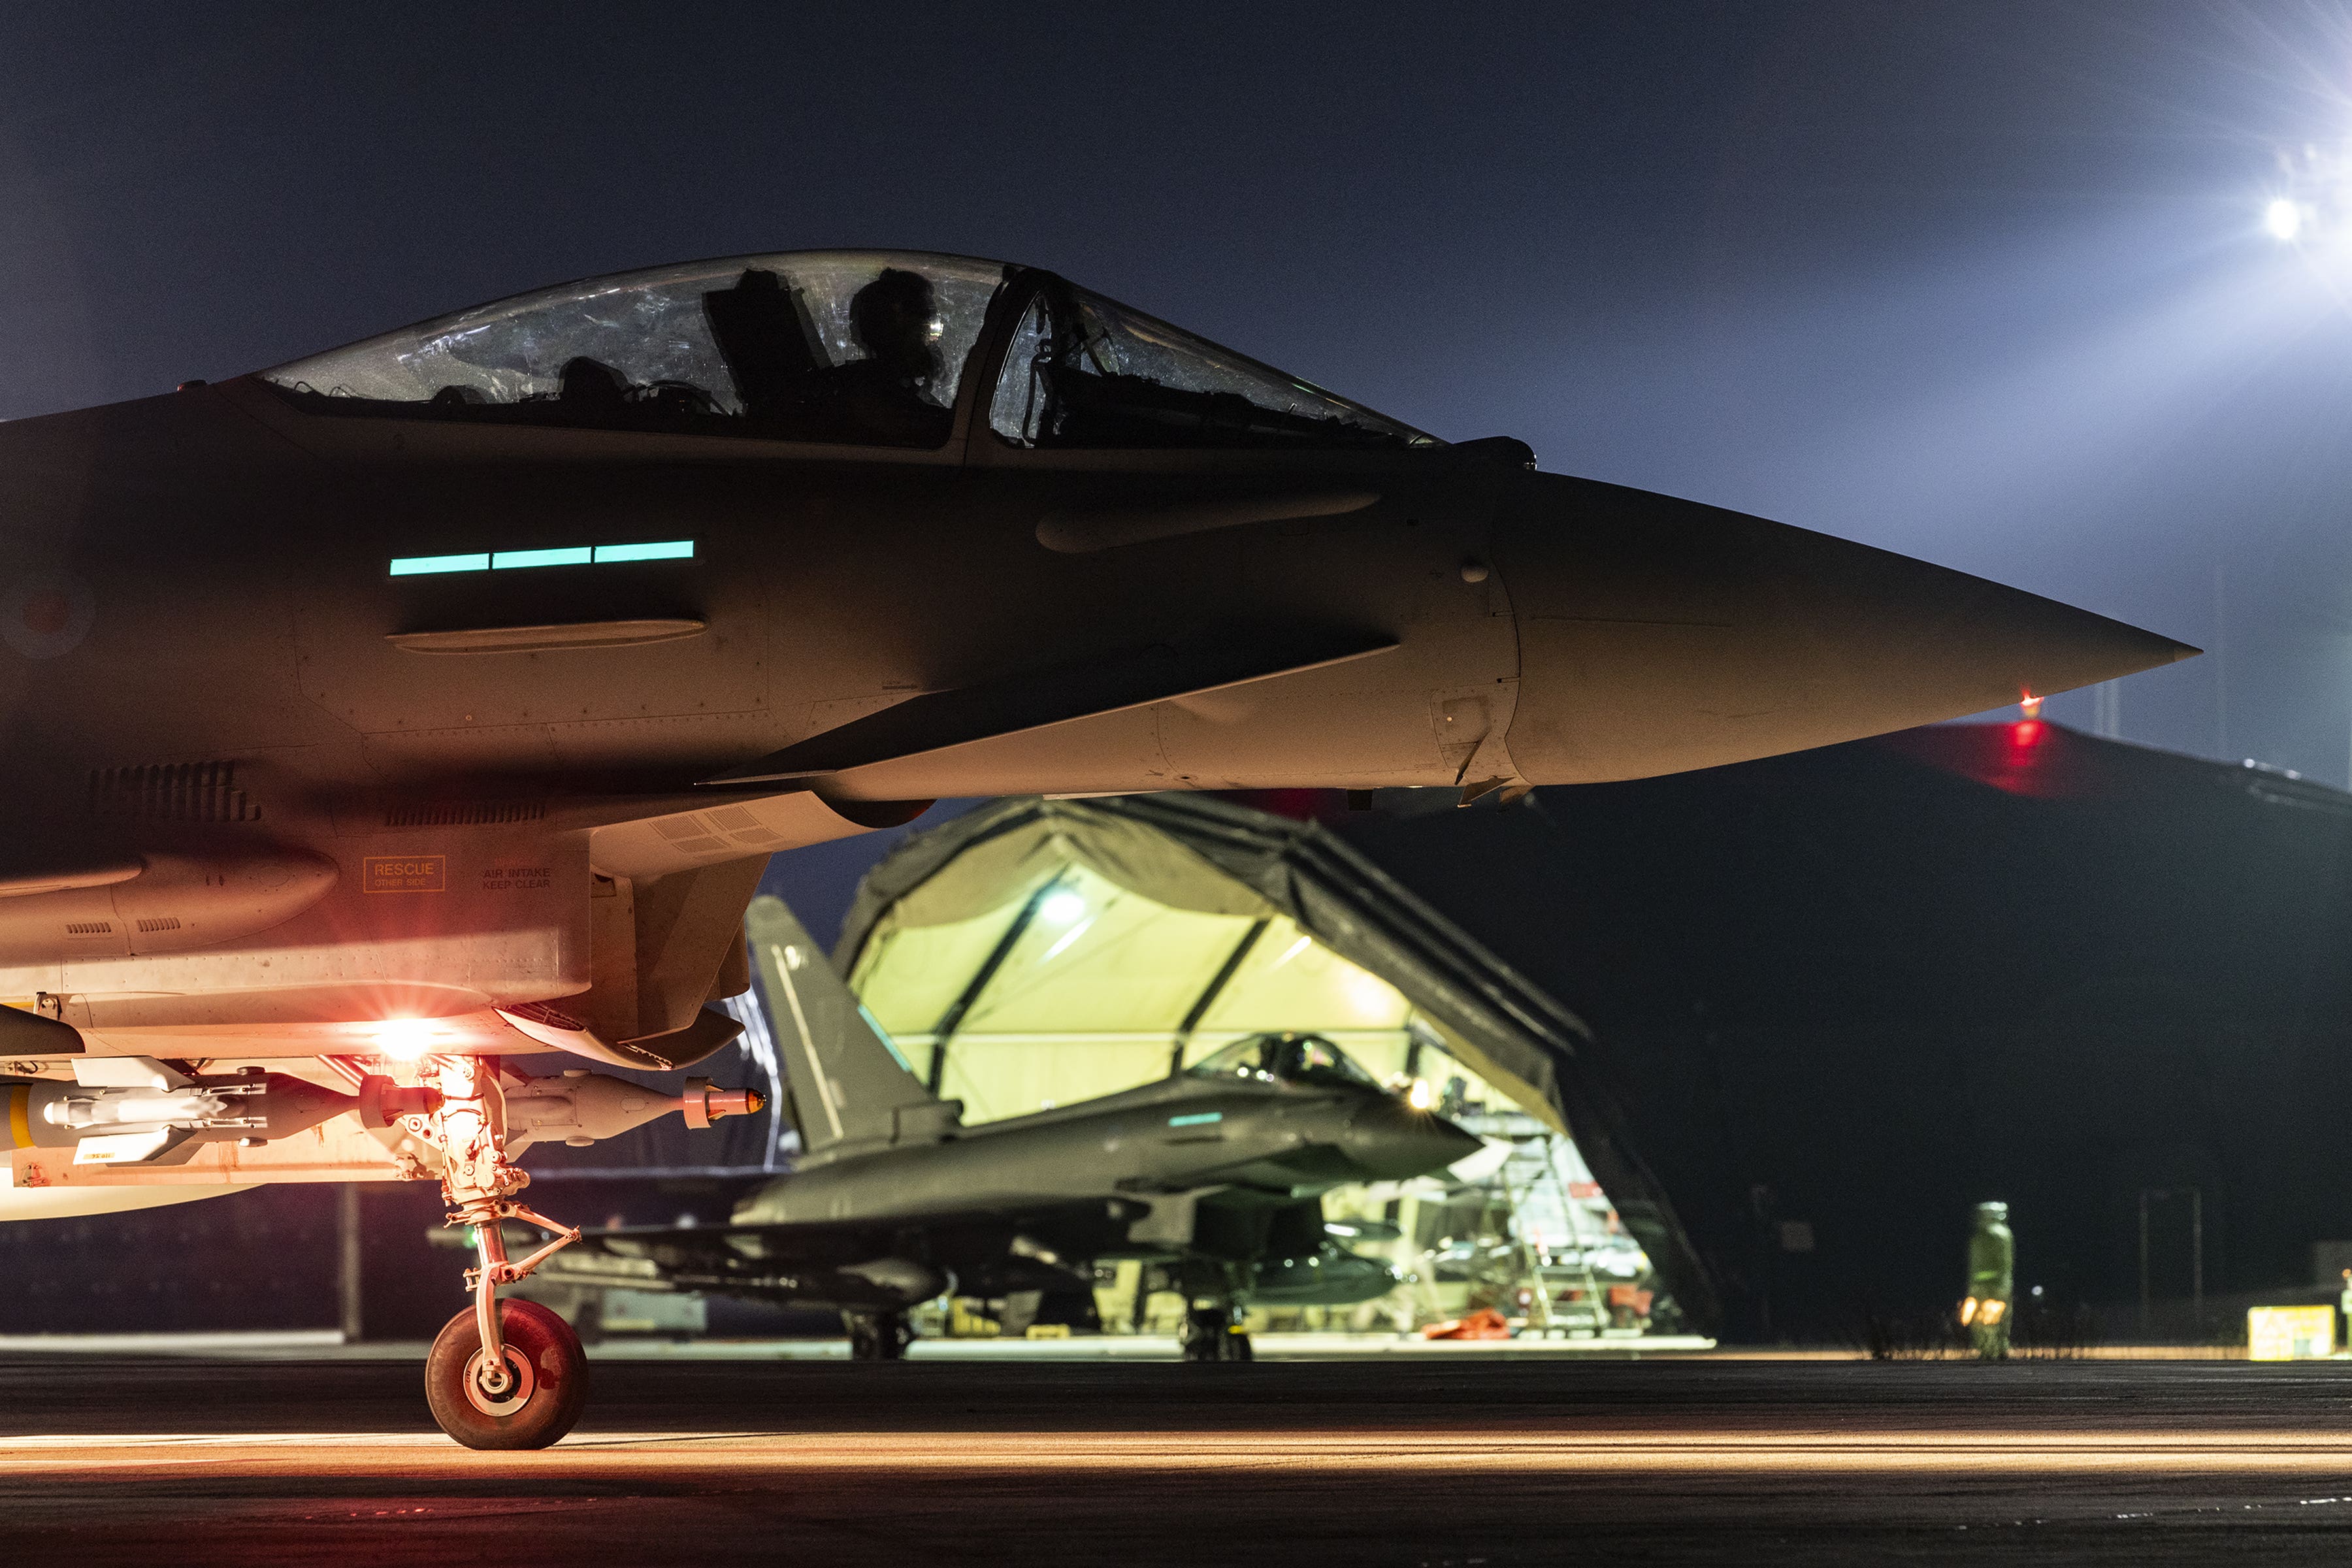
(877, 1336)
(1213, 1334)
(505, 1374)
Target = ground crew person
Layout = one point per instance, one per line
(1992, 1282)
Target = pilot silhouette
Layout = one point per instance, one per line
(591, 387)
(778, 360)
(886, 396)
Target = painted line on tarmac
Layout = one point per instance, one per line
(1316, 1450)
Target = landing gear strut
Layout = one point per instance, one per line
(1213, 1332)
(877, 1336)
(506, 1374)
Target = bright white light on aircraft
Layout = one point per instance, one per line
(1420, 1096)
(1061, 907)
(2284, 219)
(405, 1038)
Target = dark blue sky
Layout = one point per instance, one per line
(1981, 282)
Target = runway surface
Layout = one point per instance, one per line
(1458, 1462)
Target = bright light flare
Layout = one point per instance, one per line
(1420, 1096)
(406, 1039)
(2030, 705)
(1061, 907)
(2306, 208)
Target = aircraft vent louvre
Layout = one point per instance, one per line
(463, 813)
(160, 923)
(90, 927)
(712, 832)
(172, 792)
(549, 1017)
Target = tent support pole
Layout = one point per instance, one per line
(952, 1019)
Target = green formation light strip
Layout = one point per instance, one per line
(1201, 1120)
(574, 555)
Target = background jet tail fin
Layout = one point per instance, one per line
(848, 1083)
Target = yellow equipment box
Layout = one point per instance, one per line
(2290, 1333)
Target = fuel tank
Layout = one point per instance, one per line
(158, 904)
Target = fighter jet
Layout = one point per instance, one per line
(378, 725)
(1214, 1177)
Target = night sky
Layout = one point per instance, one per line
(1988, 284)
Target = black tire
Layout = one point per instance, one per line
(1205, 1335)
(877, 1336)
(551, 1370)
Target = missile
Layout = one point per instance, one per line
(135, 1110)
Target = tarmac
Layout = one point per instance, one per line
(238, 1455)
(300, 1343)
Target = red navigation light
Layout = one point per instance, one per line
(2025, 734)
(2030, 705)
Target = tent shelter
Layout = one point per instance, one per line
(1037, 950)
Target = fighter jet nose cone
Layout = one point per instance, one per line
(1391, 1142)
(1658, 634)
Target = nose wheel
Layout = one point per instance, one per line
(532, 1395)
(877, 1336)
(1213, 1334)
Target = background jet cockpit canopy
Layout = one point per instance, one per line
(1284, 1059)
(838, 347)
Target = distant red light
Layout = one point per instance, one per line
(2030, 705)
(2025, 734)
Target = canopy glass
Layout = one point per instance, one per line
(862, 347)
(838, 347)
(1086, 371)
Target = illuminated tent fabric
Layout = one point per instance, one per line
(1190, 852)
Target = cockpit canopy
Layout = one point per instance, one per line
(837, 347)
(1284, 1059)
